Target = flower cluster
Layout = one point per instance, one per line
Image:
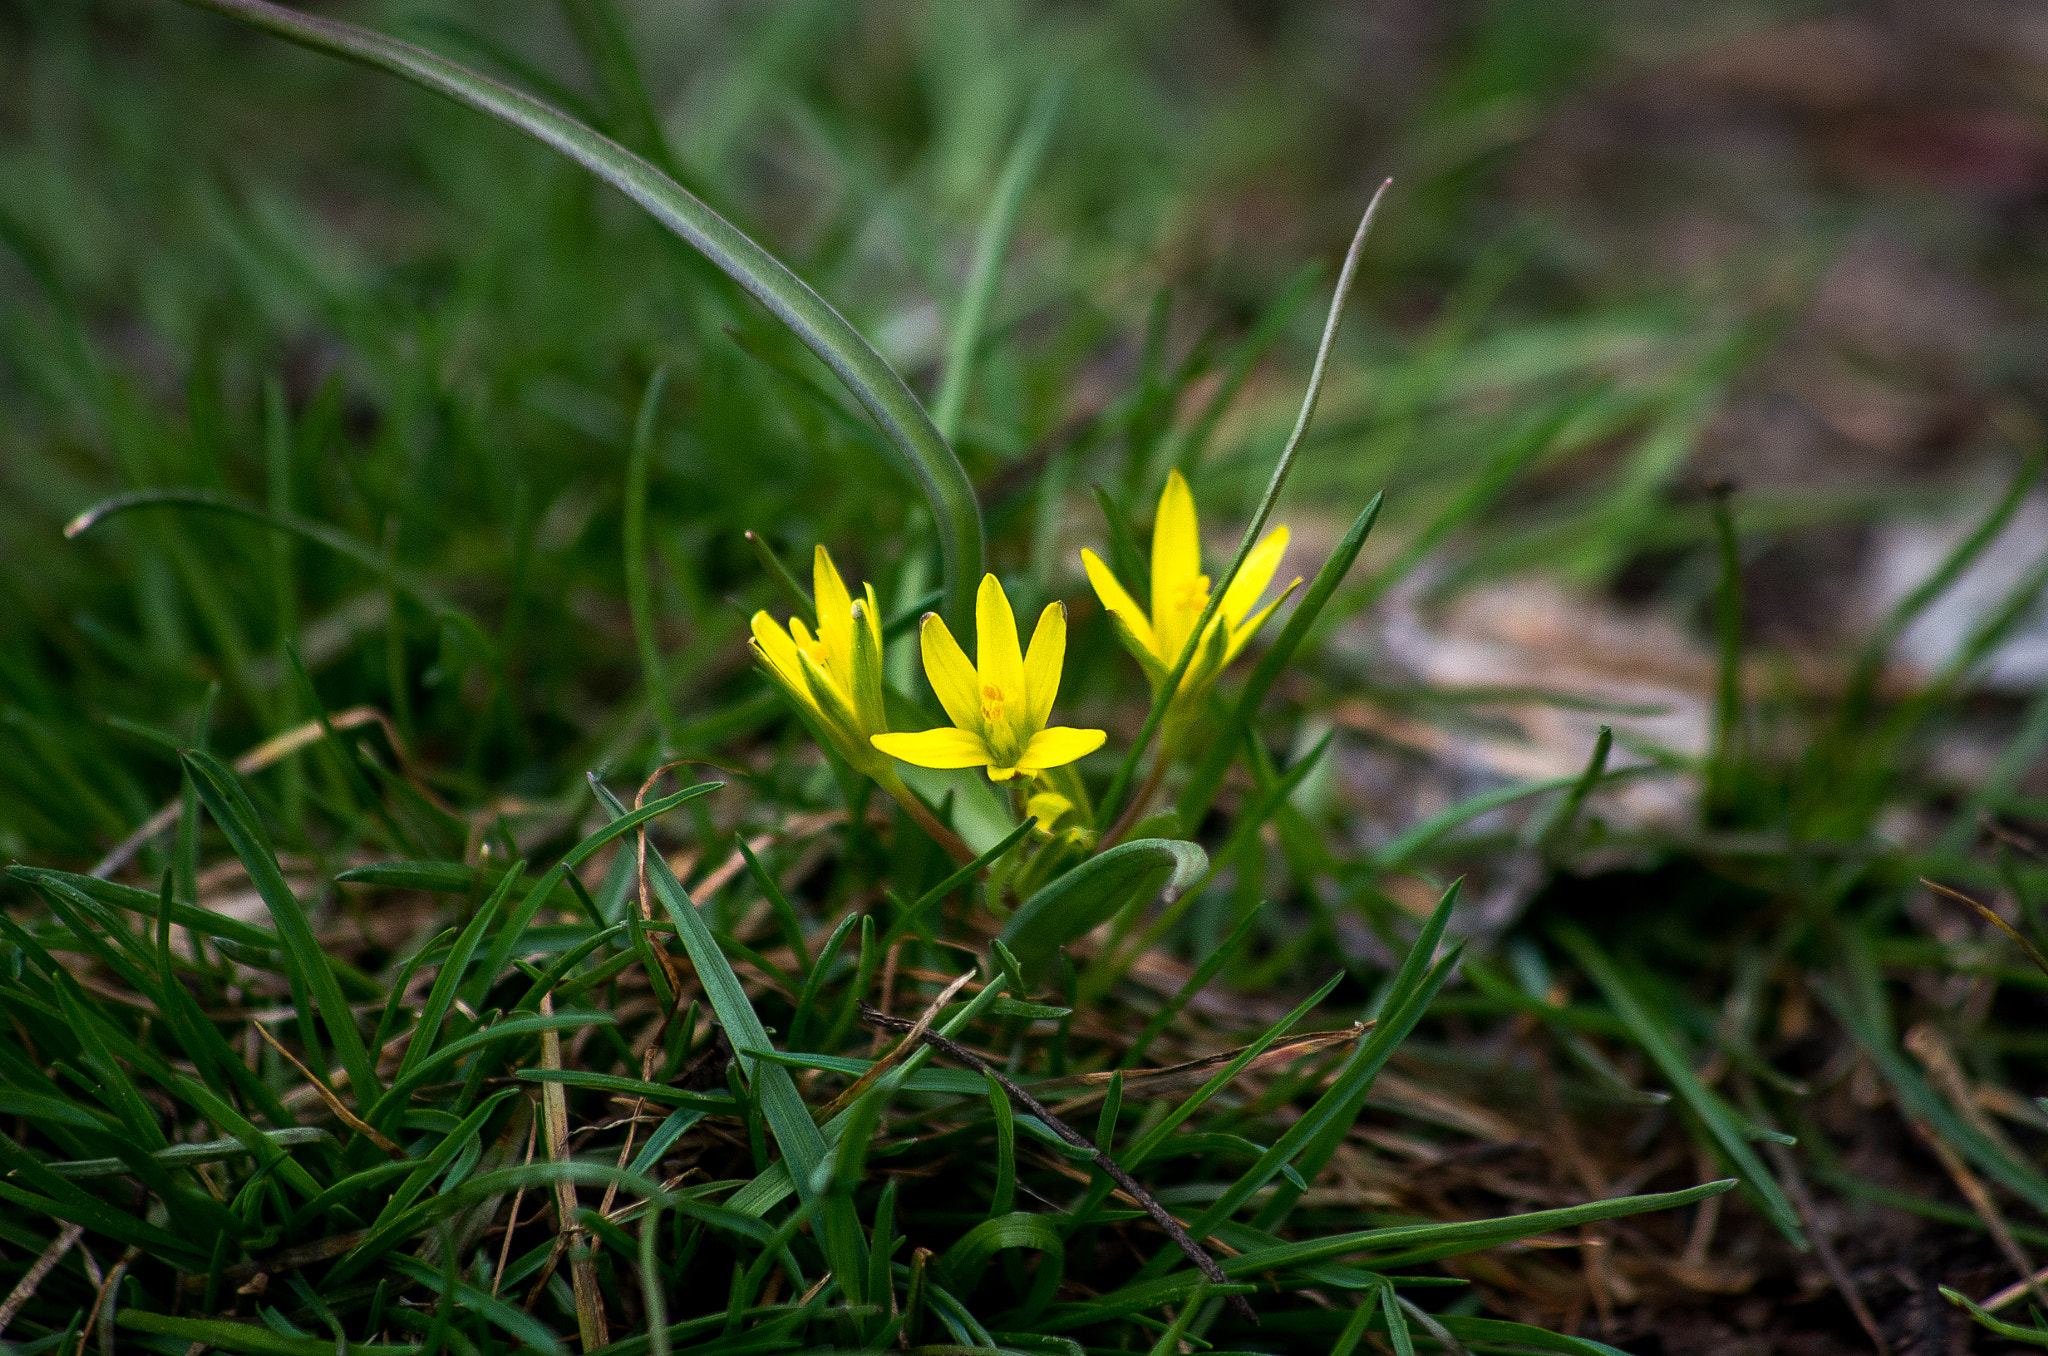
(1000, 702)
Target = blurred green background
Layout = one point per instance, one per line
(1632, 249)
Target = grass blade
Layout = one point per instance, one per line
(985, 273)
(796, 1134)
(807, 315)
(1720, 1122)
(1201, 788)
(230, 807)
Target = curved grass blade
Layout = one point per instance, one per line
(509, 936)
(1112, 800)
(807, 315)
(633, 528)
(985, 274)
(324, 534)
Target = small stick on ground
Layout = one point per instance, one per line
(570, 1237)
(1174, 1229)
(512, 1219)
(103, 1306)
(333, 1101)
(1824, 1245)
(44, 1265)
(1987, 1210)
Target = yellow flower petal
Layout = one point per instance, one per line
(835, 617)
(999, 662)
(1058, 745)
(1117, 601)
(941, 748)
(1176, 567)
(1241, 633)
(953, 679)
(1042, 664)
(1251, 581)
(777, 650)
(1176, 545)
(1047, 807)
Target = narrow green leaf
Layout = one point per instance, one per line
(1200, 792)
(807, 315)
(228, 1335)
(230, 807)
(796, 1134)
(1721, 1123)
(985, 273)
(1112, 800)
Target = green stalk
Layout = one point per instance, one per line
(809, 316)
(639, 597)
(985, 274)
(1112, 801)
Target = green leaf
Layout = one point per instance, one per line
(251, 1338)
(1200, 792)
(985, 273)
(508, 938)
(311, 974)
(806, 314)
(796, 1134)
(441, 878)
(203, 921)
(524, 1328)
(2035, 1337)
(427, 1030)
(964, 1262)
(1729, 1133)
(402, 1087)
(1096, 891)
(662, 1094)
(1112, 800)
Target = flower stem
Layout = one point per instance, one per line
(954, 845)
(1138, 803)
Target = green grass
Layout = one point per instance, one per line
(415, 446)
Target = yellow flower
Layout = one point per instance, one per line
(835, 675)
(998, 708)
(1179, 593)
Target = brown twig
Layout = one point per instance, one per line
(1980, 1201)
(512, 1218)
(2033, 952)
(1138, 803)
(569, 1236)
(25, 1289)
(1824, 1245)
(103, 1306)
(334, 1102)
(894, 1057)
(1173, 1228)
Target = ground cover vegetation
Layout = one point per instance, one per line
(562, 789)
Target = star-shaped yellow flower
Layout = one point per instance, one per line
(1179, 593)
(998, 707)
(835, 675)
